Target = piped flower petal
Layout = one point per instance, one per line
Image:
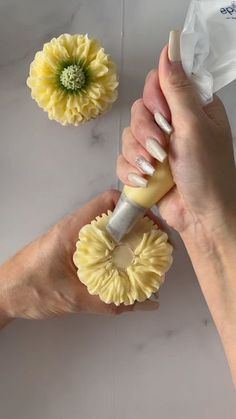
(125, 273)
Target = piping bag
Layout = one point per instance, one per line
(134, 202)
(208, 54)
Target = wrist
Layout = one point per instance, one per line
(209, 233)
(4, 319)
(212, 247)
(5, 316)
(15, 277)
(6, 292)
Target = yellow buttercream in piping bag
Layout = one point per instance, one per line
(126, 272)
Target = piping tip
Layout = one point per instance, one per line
(114, 234)
(124, 217)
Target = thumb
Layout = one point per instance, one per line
(176, 87)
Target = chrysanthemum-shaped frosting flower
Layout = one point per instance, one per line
(73, 79)
(124, 273)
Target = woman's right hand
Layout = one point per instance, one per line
(202, 206)
(200, 148)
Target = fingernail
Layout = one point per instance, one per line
(137, 180)
(144, 165)
(146, 306)
(156, 151)
(174, 47)
(163, 123)
(148, 75)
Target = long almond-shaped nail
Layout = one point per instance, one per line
(163, 123)
(144, 165)
(156, 151)
(137, 180)
(174, 47)
(146, 306)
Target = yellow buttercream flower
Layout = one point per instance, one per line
(73, 79)
(126, 272)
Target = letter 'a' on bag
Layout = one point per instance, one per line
(208, 45)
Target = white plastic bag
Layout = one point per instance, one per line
(208, 45)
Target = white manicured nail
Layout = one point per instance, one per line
(146, 306)
(163, 123)
(174, 47)
(144, 165)
(156, 151)
(137, 180)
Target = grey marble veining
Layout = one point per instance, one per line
(168, 364)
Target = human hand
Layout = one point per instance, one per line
(202, 205)
(41, 281)
(200, 149)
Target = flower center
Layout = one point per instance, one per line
(122, 256)
(73, 77)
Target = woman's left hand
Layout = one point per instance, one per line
(41, 281)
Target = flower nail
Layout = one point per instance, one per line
(73, 79)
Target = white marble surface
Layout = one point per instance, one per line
(168, 364)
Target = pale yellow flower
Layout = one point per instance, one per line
(126, 272)
(73, 79)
